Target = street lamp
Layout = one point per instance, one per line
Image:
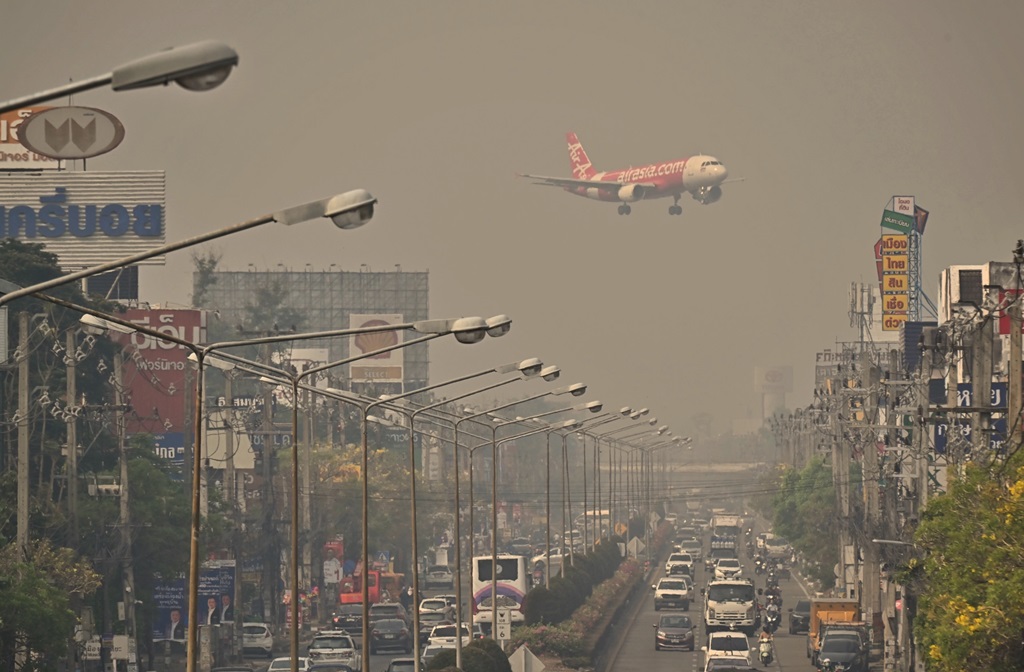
(197, 67)
(466, 330)
(348, 211)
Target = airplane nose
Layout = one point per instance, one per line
(723, 172)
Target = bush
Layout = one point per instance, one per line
(475, 660)
(494, 650)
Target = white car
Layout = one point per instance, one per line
(671, 518)
(728, 568)
(672, 591)
(727, 644)
(437, 605)
(439, 576)
(257, 638)
(714, 663)
(444, 635)
(285, 664)
(679, 559)
(334, 646)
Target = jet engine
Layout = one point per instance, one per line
(629, 193)
(707, 196)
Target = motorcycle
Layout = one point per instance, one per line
(772, 620)
(827, 665)
(765, 652)
(759, 566)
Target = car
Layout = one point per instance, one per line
(684, 559)
(800, 617)
(674, 632)
(384, 610)
(334, 646)
(232, 668)
(390, 633)
(429, 651)
(727, 644)
(520, 546)
(445, 635)
(257, 638)
(672, 591)
(348, 617)
(401, 665)
(686, 532)
(427, 623)
(439, 576)
(843, 647)
(693, 547)
(671, 518)
(728, 568)
(449, 598)
(285, 664)
(727, 664)
(437, 605)
(330, 667)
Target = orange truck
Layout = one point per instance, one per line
(352, 587)
(825, 611)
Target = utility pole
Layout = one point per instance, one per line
(72, 434)
(270, 554)
(307, 521)
(870, 593)
(1014, 368)
(231, 491)
(981, 387)
(23, 434)
(127, 563)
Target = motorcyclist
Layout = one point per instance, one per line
(772, 612)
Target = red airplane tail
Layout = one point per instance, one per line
(582, 169)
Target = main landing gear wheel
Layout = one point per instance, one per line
(675, 209)
(624, 209)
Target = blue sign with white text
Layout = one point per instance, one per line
(960, 425)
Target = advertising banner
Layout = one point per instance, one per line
(959, 426)
(157, 372)
(13, 154)
(383, 368)
(898, 222)
(895, 281)
(773, 378)
(216, 600)
(171, 605)
(85, 218)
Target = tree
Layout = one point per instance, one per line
(205, 276)
(36, 593)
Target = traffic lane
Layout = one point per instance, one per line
(637, 650)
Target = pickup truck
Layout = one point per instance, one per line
(672, 591)
(684, 559)
(824, 612)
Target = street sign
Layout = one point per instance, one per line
(71, 132)
(635, 547)
(503, 631)
(523, 660)
(503, 617)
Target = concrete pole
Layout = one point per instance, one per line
(1014, 371)
(23, 433)
(72, 434)
(871, 598)
(952, 397)
(307, 519)
(981, 386)
(231, 492)
(126, 523)
(921, 431)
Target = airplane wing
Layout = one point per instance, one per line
(545, 181)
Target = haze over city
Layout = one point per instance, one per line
(826, 109)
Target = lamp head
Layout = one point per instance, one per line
(625, 410)
(652, 421)
(530, 367)
(351, 209)
(569, 424)
(644, 411)
(663, 429)
(594, 406)
(550, 373)
(97, 325)
(197, 67)
(635, 415)
(499, 325)
(577, 389)
(469, 329)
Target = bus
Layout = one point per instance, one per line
(514, 580)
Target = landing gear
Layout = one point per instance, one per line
(675, 209)
(624, 209)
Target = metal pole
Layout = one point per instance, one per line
(23, 434)
(415, 548)
(365, 658)
(458, 555)
(192, 650)
(494, 533)
(72, 433)
(547, 511)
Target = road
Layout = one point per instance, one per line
(637, 651)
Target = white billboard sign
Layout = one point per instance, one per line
(13, 154)
(85, 218)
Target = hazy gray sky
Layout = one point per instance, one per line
(827, 108)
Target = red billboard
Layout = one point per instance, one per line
(156, 372)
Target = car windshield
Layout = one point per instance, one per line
(731, 593)
(257, 630)
(332, 642)
(389, 625)
(402, 665)
(672, 585)
(840, 645)
(448, 631)
(433, 604)
(433, 618)
(675, 622)
(728, 563)
(730, 643)
(437, 568)
(802, 606)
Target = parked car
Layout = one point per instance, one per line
(334, 646)
(674, 632)
(390, 633)
(257, 638)
(439, 576)
(349, 617)
(800, 617)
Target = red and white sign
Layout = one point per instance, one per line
(386, 367)
(155, 371)
(13, 154)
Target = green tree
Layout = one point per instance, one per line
(205, 275)
(36, 593)
(970, 585)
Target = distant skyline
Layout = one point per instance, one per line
(827, 109)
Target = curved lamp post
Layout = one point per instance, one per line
(348, 210)
(197, 67)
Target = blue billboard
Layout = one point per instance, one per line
(959, 425)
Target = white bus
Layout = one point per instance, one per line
(514, 580)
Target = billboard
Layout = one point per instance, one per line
(157, 372)
(85, 218)
(383, 368)
(773, 378)
(216, 593)
(895, 250)
(959, 425)
(13, 154)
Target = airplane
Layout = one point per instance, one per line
(701, 176)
